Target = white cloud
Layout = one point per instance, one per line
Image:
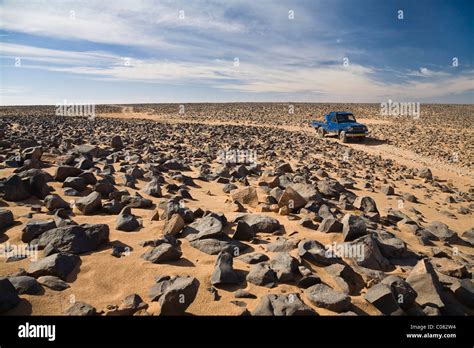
(425, 72)
(333, 82)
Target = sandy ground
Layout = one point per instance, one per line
(103, 280)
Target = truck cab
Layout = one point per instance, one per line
(343, 124)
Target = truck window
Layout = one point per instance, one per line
(341, 118)
(332, 118)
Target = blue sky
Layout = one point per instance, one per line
(210, 51)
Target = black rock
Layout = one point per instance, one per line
(381, 296)
(76, 183)
(6, 219)
(214, 246)
(353, 227)
(33, 229)
(64, 172)
(259, 223)
(53, 202)
(323, 296)
(253, 258)
(243, 232)
(26, 285)
(176, 294)
(89, 204)
(8, 295)
(282, 305)
(153, 188)
(404, 294)
(262, 274)
(53, 283)
(59, 265)
(223, 271)
(204, 228)
(314, 251)
(14, 189)
(163, 253)
(74, 239)
(81, 309)
(369, 255)
(126, 221)
(330, 224)
(285, 267)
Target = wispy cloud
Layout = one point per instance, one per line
(335, 81)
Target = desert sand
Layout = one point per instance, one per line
(408, 191)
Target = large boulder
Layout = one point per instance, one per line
(14, 189)
(244, 232)
(59, 265)
(323, 296)
(89, 204)
(282, 305)
(464, 292)
(367, 254)
(253, 258)
(81, 309)
(315, 252)
(126, 221)
(64, 172)
(424, 280)
(77, 183)
(259, 223)
(391, 246)
(162, 253)
(174, 225)
(330, 224)
(281, 244)
(74, 239)
(33, 229)
(6, 219)
(285, 267)
(175, 294)
(401, 290)
(346, 279)
(26, 285)
(53, 202)
(291, 199)
(330, 188)
(213, 246)
(262, 274)
(307, 191)
(54, 283)
(425, 173)
(152, 188)
(32, 153)
(247, 195)
(366, 204)
(381, 296)
(203, 228)
(136, 201)
(223, 270)
(353, 227)
(8, 295)
(130, 305)
(116, 142)
(36, 182)
(442, 231)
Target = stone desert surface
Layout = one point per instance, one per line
(235, 209)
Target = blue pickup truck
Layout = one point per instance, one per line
(342, 124)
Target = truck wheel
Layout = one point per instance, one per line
(321, 132)
(342, 137)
